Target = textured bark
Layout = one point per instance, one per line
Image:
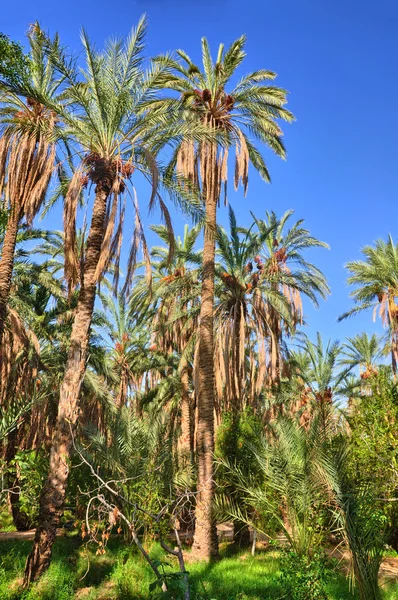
(186, 443)
(205, 544)
(275, 344)
(6, 265)
(241, 530)
(53, 494)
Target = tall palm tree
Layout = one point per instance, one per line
(251, 109)
(104, 117)
(282, 262)
(376, 287)
(27, 150)
(31, 290)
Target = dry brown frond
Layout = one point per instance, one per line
(241, 162)
(71, 267)
(4, 147)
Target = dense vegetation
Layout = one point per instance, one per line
(151, 394)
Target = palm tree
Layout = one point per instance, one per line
(376, 281)
(174, 302)
(292, 477)
(252, 108)
(104, 117)
(317, 365)
(27, 151)
(32, 288)
(243, 302)
(362, 351)
(282, 262)
(125, 340)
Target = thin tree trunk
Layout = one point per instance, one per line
(122, 393)
(7, 265)
(241, 530)
(185, 443)
(205, 545)
(394, 352)
(275, 346)
(20, 519)
(53, 494)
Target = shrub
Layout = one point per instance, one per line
(304, 577)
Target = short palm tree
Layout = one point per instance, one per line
(104, 118)
(27, 151)
(362, 351)
(125, 341)
(292, 478)
(376, 287)
(317, 365)
(249, 110)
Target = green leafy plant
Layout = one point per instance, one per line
(170, 585)
(303, 577)
(32, 469)
(14, 63)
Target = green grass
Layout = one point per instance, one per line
(121, 574)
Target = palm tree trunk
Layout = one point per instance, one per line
(241, 529)
(394, 352)
(6, 266)
(274, 344)
(53, 494)
(185, 443)
(205, 545)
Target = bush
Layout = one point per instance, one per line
(303, 577)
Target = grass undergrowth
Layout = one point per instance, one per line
(77, 573)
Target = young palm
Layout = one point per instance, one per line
(317, 365)
(249, 110)
(103, 117)
(27, 151)
(125, 340)
(291, 478)
(362, 351)
(376, 281)
(283, 264)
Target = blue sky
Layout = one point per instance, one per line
(338, 59)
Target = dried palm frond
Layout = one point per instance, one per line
(71, 268)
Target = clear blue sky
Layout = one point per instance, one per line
(338, 59)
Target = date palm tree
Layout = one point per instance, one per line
(27, 150)
(175, 306)
(283, 263)
(104, 119)
(376, 288)
(318, 366)
(243, 329)
(362, 351)
(125, 341)
(251, 109)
